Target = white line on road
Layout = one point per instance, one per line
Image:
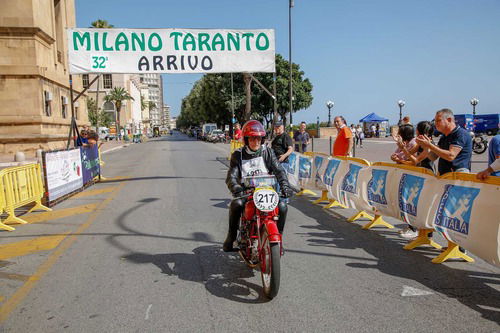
(410, 291)
(147, 311)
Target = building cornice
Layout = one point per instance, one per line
(26, 32)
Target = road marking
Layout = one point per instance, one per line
(12, 276)
(58, 214)
(23, 291)
(30, 246)
(147, 311)
(410, 291)
(88, 193)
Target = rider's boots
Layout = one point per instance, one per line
(283, 209)
(234, 221)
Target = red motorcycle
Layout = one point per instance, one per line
(260, 243)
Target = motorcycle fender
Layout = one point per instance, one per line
(274, 234)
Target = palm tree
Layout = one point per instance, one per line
(117, 95)
(102, 24)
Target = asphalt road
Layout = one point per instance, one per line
(147, 258)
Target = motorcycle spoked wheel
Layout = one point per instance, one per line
(479, 148)
(270, 265)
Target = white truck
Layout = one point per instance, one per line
(207, 128)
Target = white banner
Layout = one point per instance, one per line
(63, 170)
(170, 51)
(292, 169)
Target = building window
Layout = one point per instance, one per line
(47, 97)
(85, 80)
(64, 106)
(108, 81)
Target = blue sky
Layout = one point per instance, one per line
(364, 55)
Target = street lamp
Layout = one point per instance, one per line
(329, 105)
(317, 125)
(401, 103)
(474, 102)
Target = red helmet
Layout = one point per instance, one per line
(253, 128)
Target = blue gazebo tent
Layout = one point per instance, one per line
(374, 119)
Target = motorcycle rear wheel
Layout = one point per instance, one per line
(479, 148)
(270, 266)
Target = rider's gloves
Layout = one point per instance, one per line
(287, 192)
(237, 191)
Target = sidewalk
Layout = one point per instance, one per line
(7, 160)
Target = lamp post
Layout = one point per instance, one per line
(401, 103)
(317, 126)
(291, 4)
(474, 102)
(329, 105)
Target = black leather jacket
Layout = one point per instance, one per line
(233, 179)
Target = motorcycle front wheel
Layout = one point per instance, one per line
(479, 147)
(270, 266)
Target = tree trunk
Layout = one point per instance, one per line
(248, 107)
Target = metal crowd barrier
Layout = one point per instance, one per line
(20, 186)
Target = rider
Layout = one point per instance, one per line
(253, 159)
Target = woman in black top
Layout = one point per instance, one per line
(418, 156)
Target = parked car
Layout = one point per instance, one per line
(216, 136)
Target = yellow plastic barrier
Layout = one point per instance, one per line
(235, 144)
(2, 207)
(21, 186)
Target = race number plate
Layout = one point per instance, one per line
(265, 200)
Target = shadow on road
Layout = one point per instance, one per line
(468, 287)
(222, 274)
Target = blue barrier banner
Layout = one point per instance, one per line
(90, 163)
(454, 209)
(376, 187)
(410, 187)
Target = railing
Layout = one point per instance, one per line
(20, 186)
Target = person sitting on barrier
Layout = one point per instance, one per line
(405, 140)
(417, 155)
(493, 168)
(454, 148)
(282, 144)
(252, 159)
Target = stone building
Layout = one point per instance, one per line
(35, 106)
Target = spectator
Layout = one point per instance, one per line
(93, 137)
(344, 141)
(454, 148)
(405, 141)
(373, 130)
(377, 130)
(406, 120)
(360, 135)
(82, 139)
(282, 144)
(237, 132)
(302, 137)
(493, 168)
(421, 158)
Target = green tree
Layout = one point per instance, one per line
(96, 117)
(210, 97)
(102, 24)
(117, 95)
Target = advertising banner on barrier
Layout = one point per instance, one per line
(305, 170)
(467, 213)
(63, 170)
(292, 170)
(90, 163)
(334, 171)
(319, 163)
(170, 51)
(353, 185)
